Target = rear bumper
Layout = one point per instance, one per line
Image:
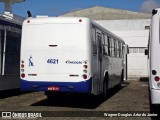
(155, 96)
(82, 87)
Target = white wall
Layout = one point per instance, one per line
(136, 36)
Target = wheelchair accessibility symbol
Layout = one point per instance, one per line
(31, 61)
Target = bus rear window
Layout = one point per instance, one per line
(41, 37)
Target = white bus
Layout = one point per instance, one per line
(153, 57)
(70, 54)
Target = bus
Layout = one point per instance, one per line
(70, 54)
(153, 57)
(10, 41)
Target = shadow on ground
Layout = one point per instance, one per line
(84, 101)
(155, 109)
(143, 79)
(10, 93)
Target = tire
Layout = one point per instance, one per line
(119, 85)
(122, 76)
(105, 88)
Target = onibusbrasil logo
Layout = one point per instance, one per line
(21, 115)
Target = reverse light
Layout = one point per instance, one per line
(156, 78)
(85, 71)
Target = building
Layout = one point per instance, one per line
(10, 40)
(133, 27)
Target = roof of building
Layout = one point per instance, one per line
(103, 13)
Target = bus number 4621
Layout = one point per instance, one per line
(52, 61)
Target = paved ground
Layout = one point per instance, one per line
(131, 99)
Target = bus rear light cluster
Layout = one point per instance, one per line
(22, 70)
(156, 78)
(85, 71)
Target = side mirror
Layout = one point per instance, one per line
(146, 51)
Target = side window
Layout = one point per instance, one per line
(123, 50)
(12, 53)
(94, 41)
(120, 48)
(111, 46)
(106, 45)
(109, 51)
(115, 48)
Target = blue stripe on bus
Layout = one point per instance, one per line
(84, 86)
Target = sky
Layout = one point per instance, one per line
(58, 7)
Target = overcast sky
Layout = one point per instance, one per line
(57, 7)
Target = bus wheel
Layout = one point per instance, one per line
(105, 89)
(122, 80)
(122, 77)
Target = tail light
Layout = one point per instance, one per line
(85, 66)
(156, 78)
(22, 69)
(85, 70)
(23, 75)
(84, 76)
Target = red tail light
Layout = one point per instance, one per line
(84, 76)
(23, 75)
(156, 78)
(85, 66)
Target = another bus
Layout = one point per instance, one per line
(10, 41)
(153, 57)
(70, 54)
